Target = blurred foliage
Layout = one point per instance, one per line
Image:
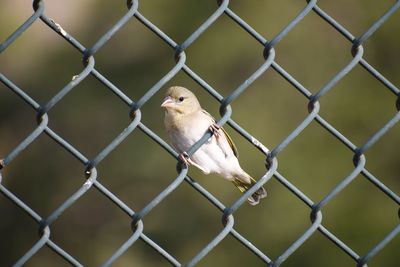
(89, 117)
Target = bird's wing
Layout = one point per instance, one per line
(228, 138)
(231, 144)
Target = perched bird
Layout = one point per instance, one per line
(186, 122)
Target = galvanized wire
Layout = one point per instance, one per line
(133, 109)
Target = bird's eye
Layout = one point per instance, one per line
(181, 99)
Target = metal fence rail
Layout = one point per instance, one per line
(134, 109)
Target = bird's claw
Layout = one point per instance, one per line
(214, 128)
(184, 157)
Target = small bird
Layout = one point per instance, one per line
(186, 122)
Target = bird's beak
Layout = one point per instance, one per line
(167, 102)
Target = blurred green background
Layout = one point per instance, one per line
(90, 117)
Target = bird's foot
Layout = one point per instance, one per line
(184, 157)
(214, 128)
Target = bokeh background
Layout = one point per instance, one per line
(90, 117)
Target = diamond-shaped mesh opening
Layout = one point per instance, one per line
(52, 177)
(368, 209)
(197, 222)
(309, 172)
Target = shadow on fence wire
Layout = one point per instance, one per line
(134, 109)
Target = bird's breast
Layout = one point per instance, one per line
(187, 131)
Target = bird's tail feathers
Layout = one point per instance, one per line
(255, 198)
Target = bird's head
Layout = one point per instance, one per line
(180, 100)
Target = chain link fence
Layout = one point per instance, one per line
(89, 165)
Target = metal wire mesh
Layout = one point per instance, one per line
(227, 213)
